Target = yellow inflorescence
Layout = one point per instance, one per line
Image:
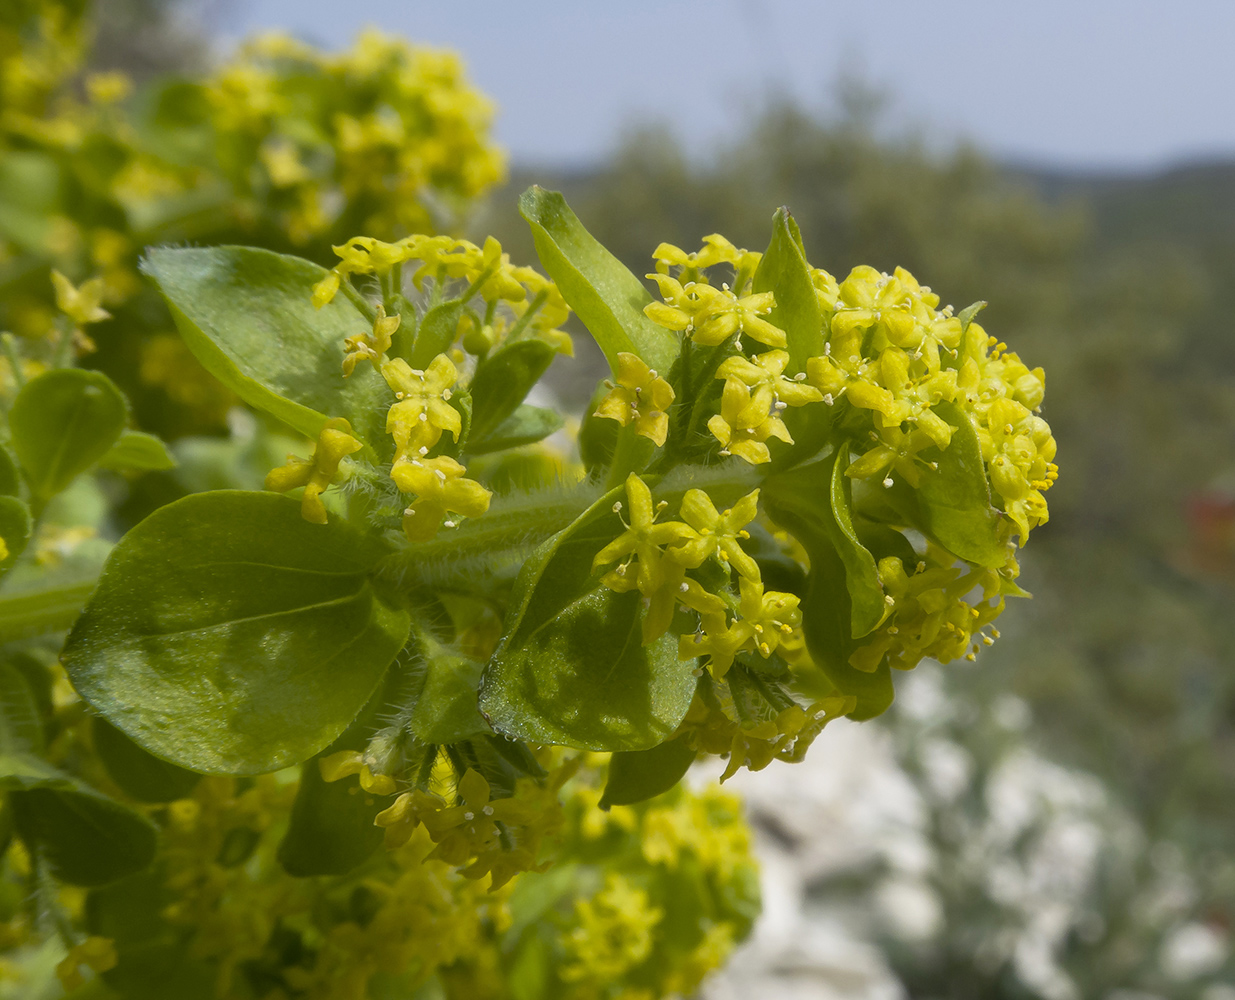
(891, 353)
(385, 128)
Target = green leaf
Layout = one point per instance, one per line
(247, 315)
(819, 493)
(51, 608)
(504, 379)
(584, 680)
(10, 478)
(953, 504)
(437, 332)
(62, 423)
(446, 708)
(597, 286)
(526, 425)
(571, 668)
(16, 527)
(785, 272)
(230, 636)
(331, 831)
(139, 774)
(21, 729)
(642, 774)
(139, 451)
(86, 838)
(331, 828)
(801, 502)
(966, 315)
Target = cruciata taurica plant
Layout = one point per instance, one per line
(789, 487)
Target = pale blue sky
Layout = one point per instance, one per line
(1119, 84)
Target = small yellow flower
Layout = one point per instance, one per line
(82, 304)
(765, 619)
(764, 376)
(315, 474)
(643, 539)
(721, 313)
(440, 489)
(742, 428)
(640, 397)
(895, 451)
(371, 347)
(422, 412)
(348, 762)
(721, 533)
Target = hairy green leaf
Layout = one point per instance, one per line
(526, 425)
(230, 636)
(16, 526)
(503, 381)
(10, 478)
(62, 423)
(597, 286)
(247, 315)
(437, 332)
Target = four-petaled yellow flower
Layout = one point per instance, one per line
(643, 539)
(764, 377)
(640, 397)
(82, 304)
(422, 412)
(371, 347)
(315, 474)
(720, 533)
(743, 428)
(440, 489)
(766, 617)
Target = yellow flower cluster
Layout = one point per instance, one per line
(207, 839)
(315, 474)
(890, 352)
(534, 305)
(385, 132)
(480, 835)
(713, 725)
(928, 615)
(653, 558)
(612, 933)
(425, 918)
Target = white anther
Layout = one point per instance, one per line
(799, 376)
(827, 398)
(617, 506)
(684, 588)
(469, 815)
(888, 482)
(440, 474)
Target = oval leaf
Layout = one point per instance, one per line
(785, 272)
(526, 425)
(642, 774)
(10, 478)
(597, 286)
(140, 774)
(584, 680)
(247, 315)
(504, 379)
(138, 451)
(954, 501)
(86, 838)
(230, 636)
(63, 422)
